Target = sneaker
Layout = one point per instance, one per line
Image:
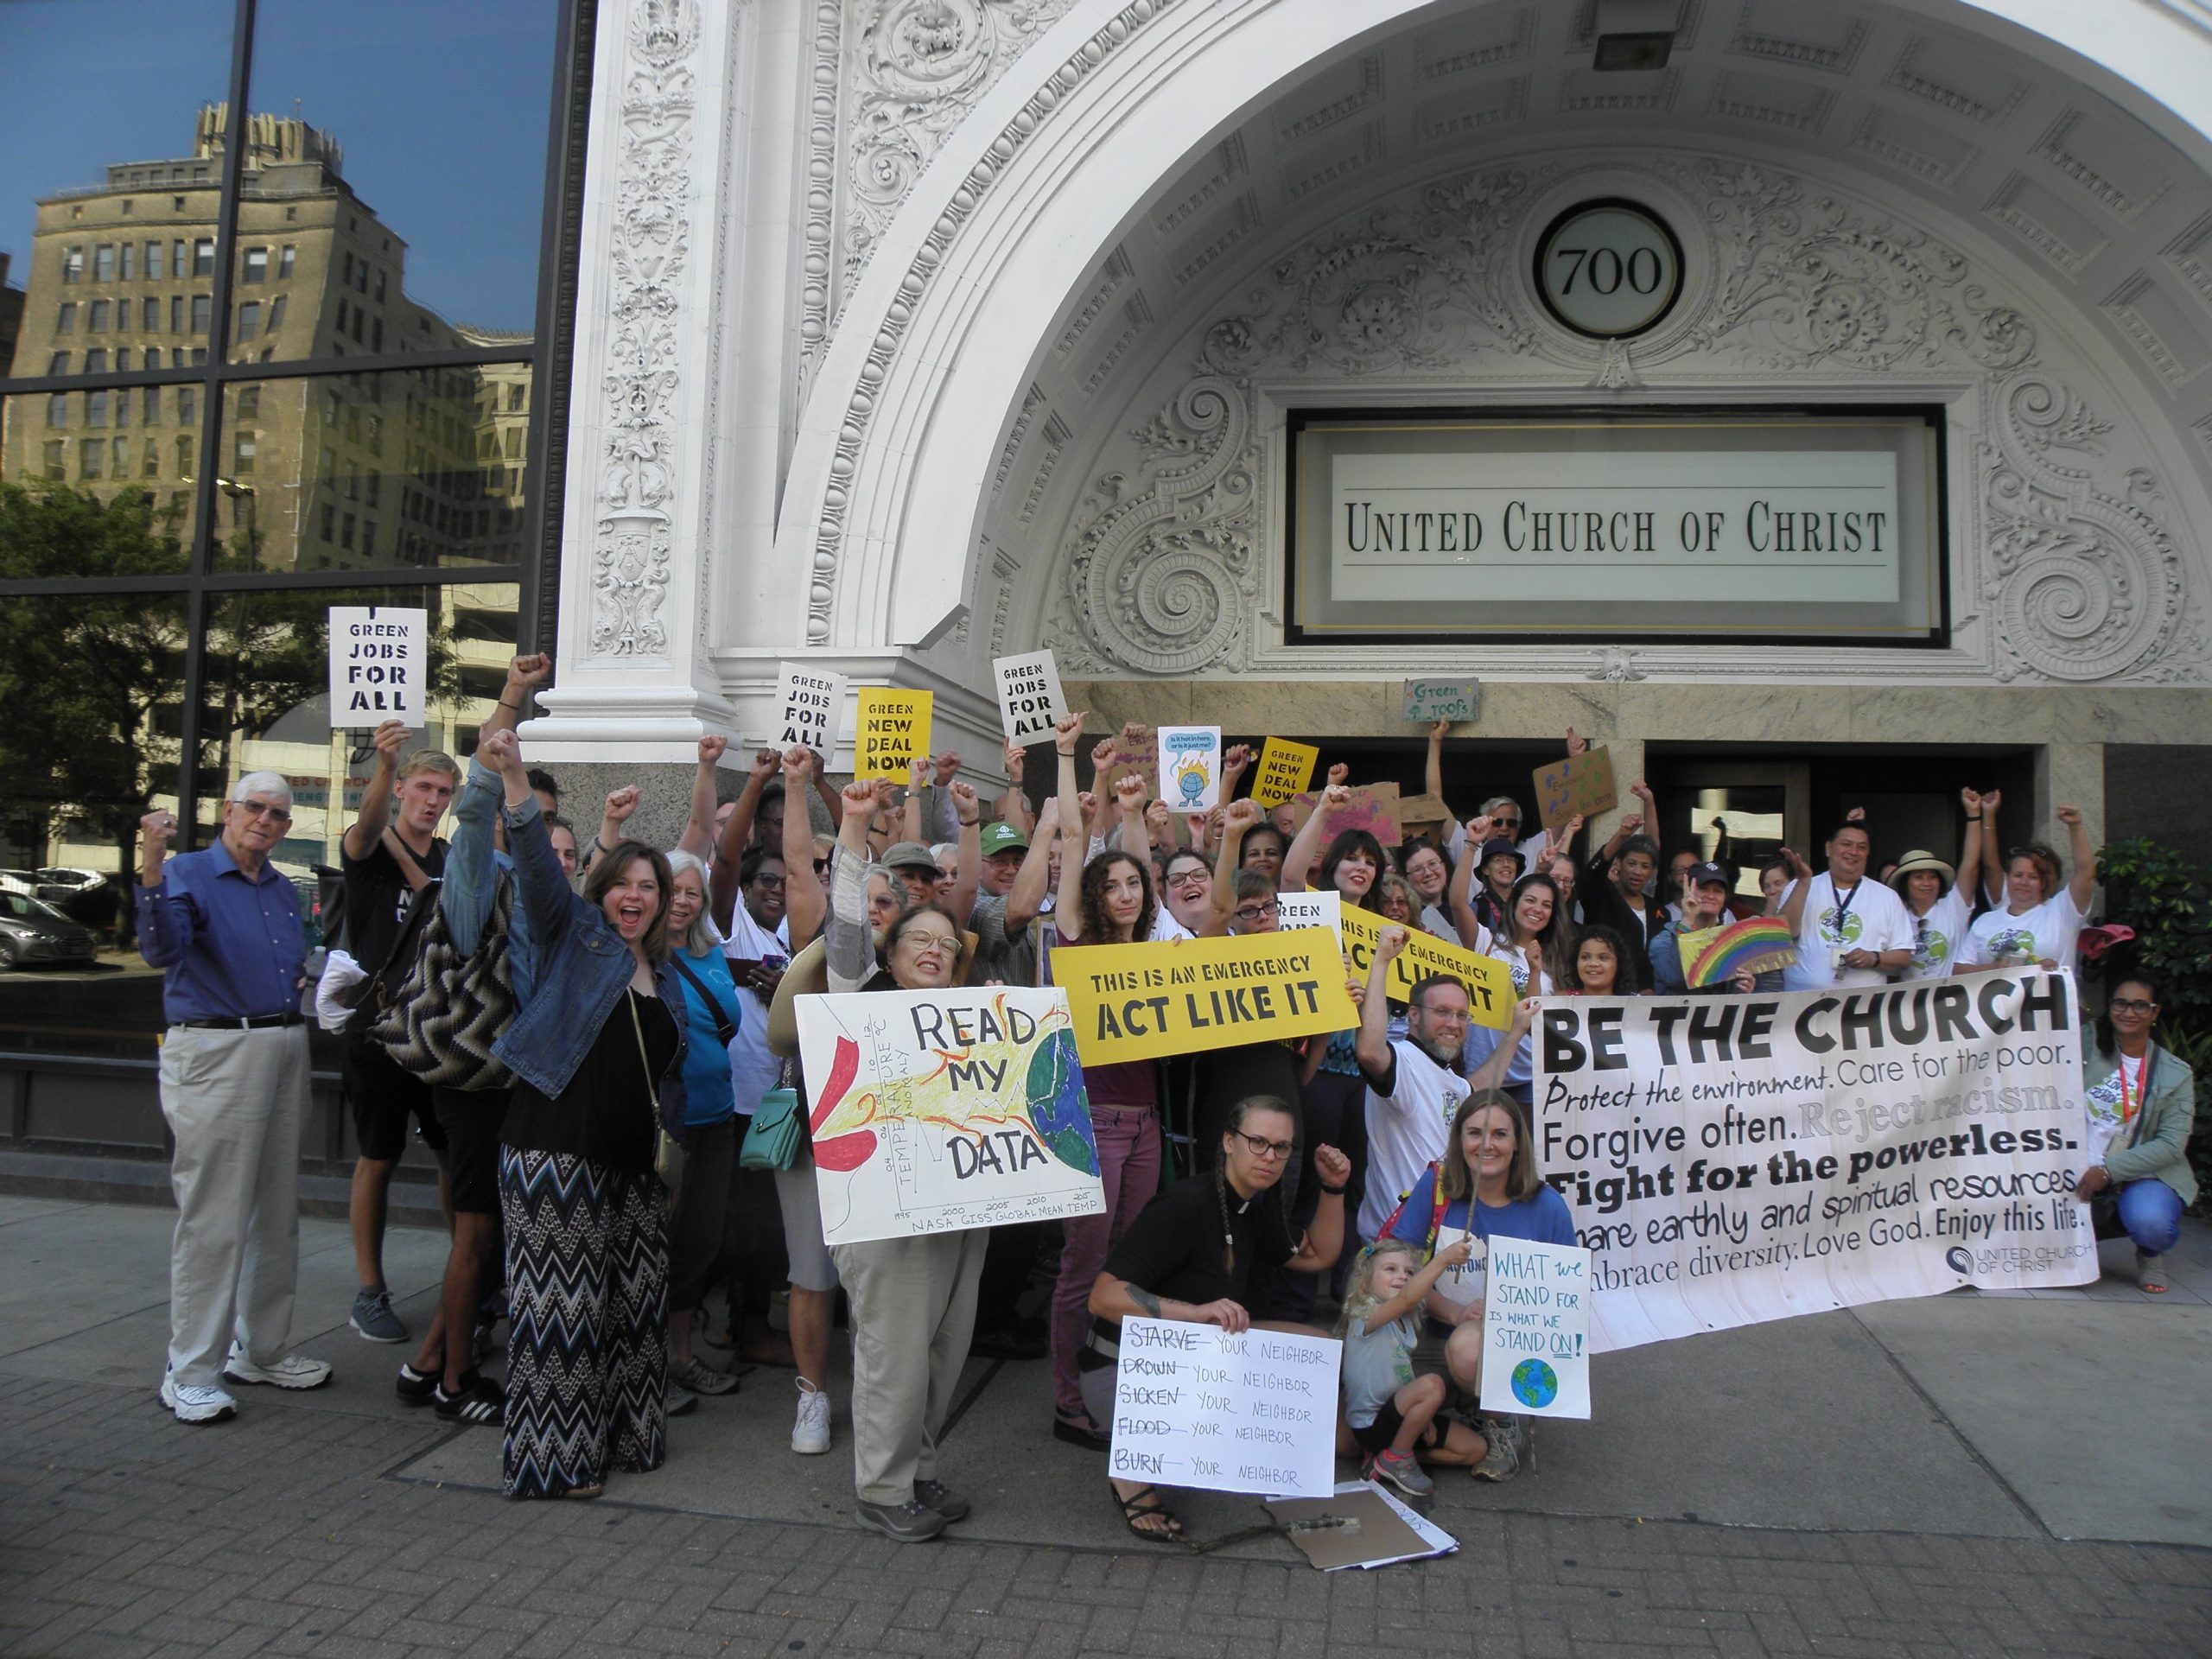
(478, 1399)
(936, 1495)
(1503, 1460)
(196, 1405)
(1402, 1471)
(374, 1319)
(905, 1523)
(811, 1433)
(293, 1372)
(413, 1388)
(680, 1400)
(2150, 1273)
(700, 1377)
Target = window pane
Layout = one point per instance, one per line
(376, 471)
(90, 714)
(442, 246)
(103, 111)
(103, 524)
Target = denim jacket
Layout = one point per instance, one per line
(582, 967)
(473, 866)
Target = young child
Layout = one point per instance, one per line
(1392, 1413)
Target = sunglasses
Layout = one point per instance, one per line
(771, 883)
(821, 867)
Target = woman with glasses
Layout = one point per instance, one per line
(1429, 873)
(2037, 917)
(1193, 1254)
(1189, 889)
(2142, 1104)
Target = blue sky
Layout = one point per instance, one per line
(440, 105)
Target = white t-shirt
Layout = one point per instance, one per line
(1867, 917)
(1166, 927)
(1939, 937)
(2047, 931)
(1436, 921)
(753, 1069)
(1406, 1129)
(2114, 1104)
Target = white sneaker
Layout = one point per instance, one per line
(810, 1434)
(195, 1405)
(293, 1372)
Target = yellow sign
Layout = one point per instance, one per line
(1286, 769)
(1141, 1002)
(1489, 982)
(894, 732)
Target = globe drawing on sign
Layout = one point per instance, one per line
(1057, 1104)
(1535, 1383)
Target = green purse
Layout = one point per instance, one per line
(776, 1134)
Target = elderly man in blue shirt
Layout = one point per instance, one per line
(225, 928)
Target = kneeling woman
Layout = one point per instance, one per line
(1192, 1253)
(597, 1055)
(1485, 1186)
(2142, 1102)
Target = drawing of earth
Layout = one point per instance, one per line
(1535, 1383)
(1057, 1105)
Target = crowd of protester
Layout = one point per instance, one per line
(1359, 1174)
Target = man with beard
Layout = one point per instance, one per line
(1413, 1083)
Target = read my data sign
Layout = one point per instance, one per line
(1194, 1406)
(378, 665)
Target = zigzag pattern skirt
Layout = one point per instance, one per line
(587, 1297)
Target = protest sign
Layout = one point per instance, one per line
(1714, 956)
(891, 732)
(934, 1111)
(1030, 698)
(1140, 1001)
(1423, 814)
(806, 708)
(1311, 909)
(1133, 756)
(1286, 769)
(1735, 1159)
(1488, 981)
(1433, 700)
(1194, 1406)
(1371, 807)
(378, 665)
(1190, 767)
(1580, 786)
(1536, 1329)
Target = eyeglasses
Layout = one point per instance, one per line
(1188, 879)
(263, 810)
(1253, 912)
(2129, 1004)
(931, 942)
(1264, 1148)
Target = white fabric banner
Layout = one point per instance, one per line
(1735, 1159)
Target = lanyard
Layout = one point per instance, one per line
(2128, 1110)
(1843, 903)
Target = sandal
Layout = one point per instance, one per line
(583, 1493)
(1134, 1509)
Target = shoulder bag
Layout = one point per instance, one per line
(668, 1151)
(442, 1018)
(777, 1133)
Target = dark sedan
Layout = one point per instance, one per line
(33, 932)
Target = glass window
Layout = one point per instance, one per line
(95, 360)
(57, 409)
(154, 270)
(176, 251)
(96, 317)
(104, 263)
(151, 466)
(242, 449)
(153, 357)
(72, 265)
(284, 260)
(203, 256)
(250, 320)
(57, 459)
(65, 318)
(129, 256)
(249, 403)
(90, 452)
(58, 364)
(202, 312)
(149, 315)
(96, 409)
(150, 405)
(185, 451)
(120, 459)
(256, 265)
(187, 405)
(276, 314)
(176, 314)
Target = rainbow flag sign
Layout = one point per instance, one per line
(1714, 956)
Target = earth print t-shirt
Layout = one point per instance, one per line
(2045, 933)
(1938, 937)
(2112, 1105)
(1866, 918)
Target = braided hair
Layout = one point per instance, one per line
(1238, 1114)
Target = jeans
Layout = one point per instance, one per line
(2151, 1212)
(1129, 1151)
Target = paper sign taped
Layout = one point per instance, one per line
(1536, 1329)
(937, 1111)
(1196, 1407)
(1311, 909)
(891, 732)
(1286, 769)
(1030, 698)
(1427, 701)
(1190, 767)
(380, 667)
(1580, 786)
(806, 708)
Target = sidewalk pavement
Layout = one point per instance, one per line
(1971, 1475)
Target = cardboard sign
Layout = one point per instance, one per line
(380, 667)
(1372, 807)
(1311, 909)
(1580, 786)
(1286, 770)
(1030, 698)
(1429, 701)
(936, 1111)
(1424, 815)
(1141, 1002)
(1133, 756)
(1536, 1329)
(1196, 1407)
(1190, 767)
(806, 708)
(891, 733)
(1489, 982)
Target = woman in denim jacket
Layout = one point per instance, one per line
(2142, 1102)
(598, 1058)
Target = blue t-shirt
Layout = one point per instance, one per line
(708, 1095)
(1544, 1217)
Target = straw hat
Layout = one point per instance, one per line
(809, 976)
(1919, 859)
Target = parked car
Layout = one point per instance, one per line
(70, 877)
(32, 932)
(22, 881)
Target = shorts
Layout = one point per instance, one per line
(381, 1094)
(800, 1199)
(471, 1119)
(1389, 1422)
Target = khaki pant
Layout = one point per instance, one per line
(913, 1311)
(235, 1101)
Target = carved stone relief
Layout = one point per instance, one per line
(2082, 580)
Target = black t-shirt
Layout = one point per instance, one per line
(605, 1113)
(1173, 1248)
(377, 895)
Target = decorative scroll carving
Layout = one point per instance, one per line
(649, 250)
(817, 262)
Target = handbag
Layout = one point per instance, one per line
(778, 1132)
(440, 1021)
(668, 1151)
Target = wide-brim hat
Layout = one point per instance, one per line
(1918, 859)
(809, 976)
(1499, 847)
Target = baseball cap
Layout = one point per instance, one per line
(1706, 875)
(1003, 837)
(909, 855)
